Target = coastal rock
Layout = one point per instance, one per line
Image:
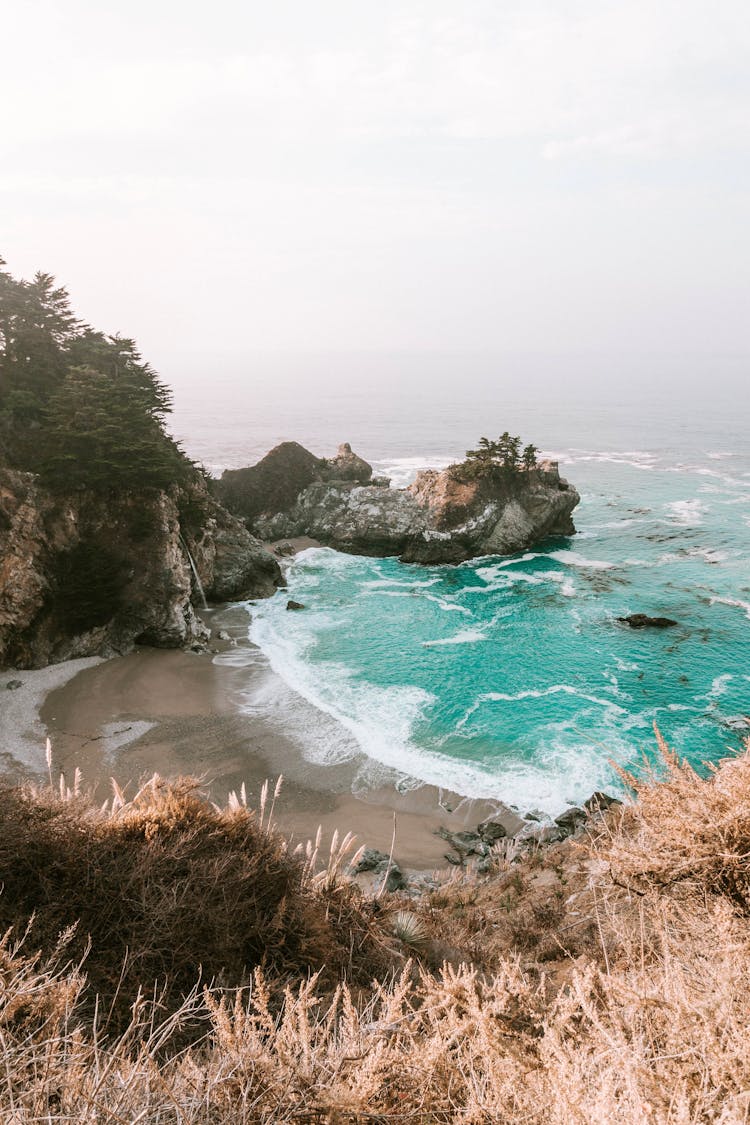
(84, 575)
(571, 820)
(539, 834)
(231, 563)
(292, 605)
(346, 465)
(378, 863)
(600, 802)
(272, 485)
(444, 517)
(643, 621)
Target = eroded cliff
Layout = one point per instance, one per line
(82, 574)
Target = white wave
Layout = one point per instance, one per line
(737, 602)
(380, 722)
(448, 606)
(534, 693)
(720, 456)
(498, 577)
(687, 513)
(490, 572)
(636, 459)
(720, 686)
(403, 470)
(445, 605)
(377, 583)
(572, 558)
(711, 556)
(702, 471)
(381, 719)
(625, 666)
(465, 637)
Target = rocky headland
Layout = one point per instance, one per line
(447, 516)
(83, 574)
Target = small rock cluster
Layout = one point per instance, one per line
(533, 832)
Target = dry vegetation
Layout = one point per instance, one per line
(603, 980)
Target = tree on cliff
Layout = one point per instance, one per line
(76, 405)
(105, 434)
(529, 457)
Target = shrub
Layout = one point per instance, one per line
(167, 889)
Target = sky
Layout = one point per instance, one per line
(510, 176)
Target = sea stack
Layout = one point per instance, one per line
(447, 516)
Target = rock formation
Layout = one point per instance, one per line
(444, 517)
(84, 575)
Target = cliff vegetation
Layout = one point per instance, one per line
(107, 530)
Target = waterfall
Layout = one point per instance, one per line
(196, 576)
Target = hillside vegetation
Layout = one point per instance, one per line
(605, 979)
(78, 406)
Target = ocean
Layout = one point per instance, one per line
(511, 677)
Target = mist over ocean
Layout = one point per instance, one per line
(511, 677)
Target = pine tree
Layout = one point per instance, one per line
(78, 406)
(529, 457)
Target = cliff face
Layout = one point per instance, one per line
(82, 575)
(444, 517)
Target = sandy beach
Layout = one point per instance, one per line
(222, 716)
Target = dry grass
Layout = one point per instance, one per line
(642, 1017)
(167, 889)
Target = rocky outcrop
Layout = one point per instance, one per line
(276, 482)
(443, 517)
(272, 485)
(83, 575)
(231, 563)
(643, 621)
(346, 465)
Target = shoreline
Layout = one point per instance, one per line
(228, 719)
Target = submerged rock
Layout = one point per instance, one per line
(643, 621)
(444, 517)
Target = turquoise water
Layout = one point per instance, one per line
(510, 677)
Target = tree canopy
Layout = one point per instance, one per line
(505, 452)
(78, 406)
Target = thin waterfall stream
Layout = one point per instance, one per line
(196, 576)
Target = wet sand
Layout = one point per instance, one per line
(181, 713)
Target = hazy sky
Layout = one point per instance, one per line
(508, 175)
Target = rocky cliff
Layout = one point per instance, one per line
(83, 575)
(444, 517)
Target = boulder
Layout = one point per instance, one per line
(599, 802)
(643, 621)
(538, 833)
(292, 605)
(571, 820)
(378, 863)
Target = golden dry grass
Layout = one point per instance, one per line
(642, 1017)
